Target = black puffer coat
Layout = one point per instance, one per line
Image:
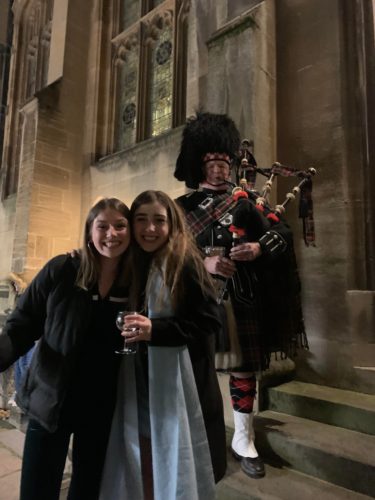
(55, 311)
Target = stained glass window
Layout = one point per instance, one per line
(160, 84)
(130, 13)
(146, 76)
(127, 117)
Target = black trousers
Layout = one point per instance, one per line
(44, 460)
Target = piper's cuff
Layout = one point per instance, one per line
(272, 243)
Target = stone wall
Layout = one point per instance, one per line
(7, 222)
(316, 127)
(21, 261)
(148, 165)
(48, 213)
(7, 208)
(241, 76)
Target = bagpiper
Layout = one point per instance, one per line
(250, 254)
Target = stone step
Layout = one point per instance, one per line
(342, 408)
(340, 456)
(280, 483)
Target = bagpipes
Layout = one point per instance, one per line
(246, 176)
(253, 219)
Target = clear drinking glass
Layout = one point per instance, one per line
(220, 282)
(120, 323)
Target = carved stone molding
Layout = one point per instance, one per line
(124, 47)
(32, 48)
(184, 10)
(31, 107)
(154, 26)
(46, 34)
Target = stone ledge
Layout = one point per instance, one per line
(339, 456)
(338, 407)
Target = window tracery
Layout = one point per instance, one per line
(146, 99)
(33, 27)
(126, 61)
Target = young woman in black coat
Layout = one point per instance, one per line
(70, 388)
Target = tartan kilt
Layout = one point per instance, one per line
(271, 323)
(247, 350)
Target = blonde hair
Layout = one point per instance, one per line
(172, 257)
(89, 269)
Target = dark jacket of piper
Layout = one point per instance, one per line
(264, 293)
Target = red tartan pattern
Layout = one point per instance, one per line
(199, 219)
(254, 355)
(259, 334)
(243, 392)
(309, 229)
(217, 156)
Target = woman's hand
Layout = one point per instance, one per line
(246, 252)
(75, 253)
(143, 325)
(220, 265)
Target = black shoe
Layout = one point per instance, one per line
(253, 467)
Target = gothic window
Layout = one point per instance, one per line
(5, 49)
(148, 68)
(37, 41)
(130, 13)
(160, 89)
(127, 67)
(33, 34)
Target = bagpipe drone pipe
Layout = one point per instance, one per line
(246, 172)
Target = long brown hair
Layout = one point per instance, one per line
(179, 250)
(89, 268)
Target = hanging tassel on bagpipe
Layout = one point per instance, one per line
(246, 177)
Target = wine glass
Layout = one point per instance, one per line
(219, 282)
(120, 323)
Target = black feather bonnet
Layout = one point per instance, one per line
(204, 134)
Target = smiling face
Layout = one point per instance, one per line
(151, 226)
(110, 233)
